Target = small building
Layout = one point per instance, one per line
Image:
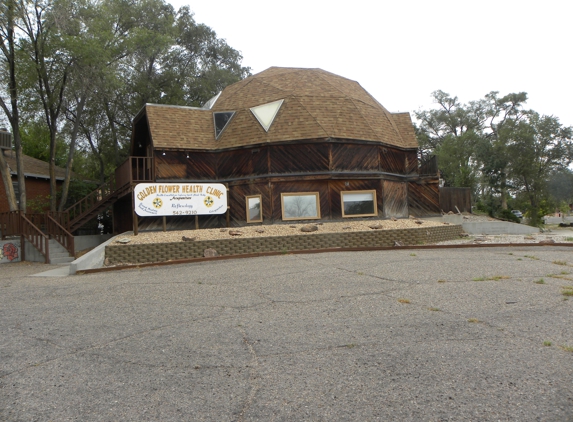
(36, 172)
(290, 144)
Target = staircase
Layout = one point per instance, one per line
(58, 254)
(57, 243)
(134, 170)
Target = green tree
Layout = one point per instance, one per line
(539, 146)
(10, 16)
(452, 132)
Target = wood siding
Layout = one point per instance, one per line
(392, 160)
(452, 197)
(347, 157)
(299, 158)
(326, 167)
(395, 199)
(423, 198)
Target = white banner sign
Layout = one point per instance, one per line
(158, 199)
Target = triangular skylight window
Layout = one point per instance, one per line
(266, 113)
(221, 120)
(209, 104)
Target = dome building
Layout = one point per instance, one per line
(289, 144)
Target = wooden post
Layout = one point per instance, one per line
(22, 248)
(134, 217)
(164, 223)
(228, 216)
(196, 222)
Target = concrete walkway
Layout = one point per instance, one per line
(426, 335)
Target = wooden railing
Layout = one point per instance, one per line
(5, 140)
(10, 224)
(35, 236)
(58, 232)
(91, 200)
(135, 170)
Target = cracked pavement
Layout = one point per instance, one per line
(323, 337)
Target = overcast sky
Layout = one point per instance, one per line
(402, 51)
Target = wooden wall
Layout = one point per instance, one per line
(452, 197)
(277, 159)
(324, 167)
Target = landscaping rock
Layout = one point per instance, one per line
(376, 227)
(547, 241)
(309, 228)
(123, 240)
(235, 232)
(188, 239)
(209, 253)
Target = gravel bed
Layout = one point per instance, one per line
(286, 229)
(273, 230)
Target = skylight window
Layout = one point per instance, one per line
(209, 104)
(222, 120)
(266, 113)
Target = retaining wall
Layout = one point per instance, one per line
(160, 252)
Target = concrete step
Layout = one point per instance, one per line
(56, 261)
(59, 255)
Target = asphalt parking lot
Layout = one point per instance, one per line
(481, 334)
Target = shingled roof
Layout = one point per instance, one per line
(32, 167)
(317, 105)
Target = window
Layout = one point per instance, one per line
(266, 113)
(254, 209)
(300, 206)
(359, 203)
(221, 120)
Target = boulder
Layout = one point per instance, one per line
(209, 253)
(309, 228)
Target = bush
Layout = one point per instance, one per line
(508, 215)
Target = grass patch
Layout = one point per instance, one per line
(564, 272)
(569, 239)
(560, 262)
(360, 273)
(404, 300)
(351, 346)
(494, 278)
(441, 281)
(434, 309)
(567, 348)
(562, 277)
(567, 290)
(540, 281)
(519, 259)
(531, 257)
(511, 253)
(473, 320)
(412, 254)
(547, 343)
